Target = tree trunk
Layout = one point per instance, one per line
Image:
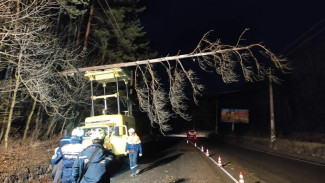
(61, 132)
(51, 125)
(52, 130)
(104, 54)
(37, 124)
(79, 30)
(2, 131)
(58, 21)
(88, 25)
(28, 120)
(70, 29)
(3, 126)
(155, 60)
(5, 116)
(13, 102)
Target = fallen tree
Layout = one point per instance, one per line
(230, 62)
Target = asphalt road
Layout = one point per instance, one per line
(266, 167)
(173, 160)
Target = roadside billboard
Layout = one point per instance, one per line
(234, 115)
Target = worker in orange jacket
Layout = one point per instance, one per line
(134, 147)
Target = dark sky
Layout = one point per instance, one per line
(175, 25)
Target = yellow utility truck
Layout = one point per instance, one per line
(113, 121)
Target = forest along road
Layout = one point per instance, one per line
(171, 160)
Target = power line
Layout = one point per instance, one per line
(303, 36)
(116, 27)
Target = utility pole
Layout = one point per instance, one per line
(194, 116)
(273, 137)
(216, 129)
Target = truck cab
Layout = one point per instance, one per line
(115, 124)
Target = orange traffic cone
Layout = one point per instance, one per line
(207, 153)
(219, 162)
(241, 177)
(202, 149)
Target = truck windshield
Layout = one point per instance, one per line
(88, 131)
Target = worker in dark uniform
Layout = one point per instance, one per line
(70, 153)
(92, 164)
(57, 161)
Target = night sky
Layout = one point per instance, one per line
(174, 25)
(178, 25)
(282, 26)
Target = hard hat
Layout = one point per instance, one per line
(98, 134)
(77, 132)
(131, 130)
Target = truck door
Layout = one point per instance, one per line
(118, 139)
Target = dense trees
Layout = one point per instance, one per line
(40, 38)
(32, 56)
(109, 30)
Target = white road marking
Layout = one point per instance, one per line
(216, 164)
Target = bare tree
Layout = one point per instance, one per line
(29, 120)
(29, 47)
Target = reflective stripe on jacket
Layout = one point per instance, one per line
(133, 144)
(58, 153)
(70, 153)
